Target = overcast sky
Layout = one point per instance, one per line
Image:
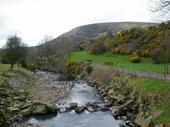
(34, 19)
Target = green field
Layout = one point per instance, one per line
(4, 67)
(160, 87)
(123, 61)
(154, 86)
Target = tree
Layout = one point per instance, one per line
(166, 53)
(15, 50)
(163, 7)
(46, 50)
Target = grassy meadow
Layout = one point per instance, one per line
(122, 61)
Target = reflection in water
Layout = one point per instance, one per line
(82, 94)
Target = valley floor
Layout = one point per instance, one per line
(148, 78)
(121, 61)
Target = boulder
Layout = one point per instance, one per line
(111, 92)
(132, 124)
(52, 108)
(40, 108)
(26, 105)
(79, 109)
(115, 111)
(13, 110)
(129, 103)
(73, 105)
(62, 110)
(26, 111)
(91, 109)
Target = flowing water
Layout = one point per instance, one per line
(82, 94)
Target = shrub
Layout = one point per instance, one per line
(88, 69)
(157, 56)
(31, 67)
(126, 51)
(135, 59)
(23, 63)
(89, 60)
(97, 48)
(146, 53)
(73, 67)
(109, 63)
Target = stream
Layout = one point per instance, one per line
(82, 94)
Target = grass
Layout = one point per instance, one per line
(18, 71)
(157, 91)
(165, 116)
(4, 67)
(155, 86)
(122, 61)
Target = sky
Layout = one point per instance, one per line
(32, 20)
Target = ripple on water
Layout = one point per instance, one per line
(82, 94)
(97, 119)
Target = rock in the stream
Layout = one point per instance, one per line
(132, 124)
(40, 108)
(91, 109)
(79, 109)
(52, 108)
(115, 111)
(62, 110)
(73, 105)
(26, 112)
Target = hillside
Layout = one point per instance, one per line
(90, 31)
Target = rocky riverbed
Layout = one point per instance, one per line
(83, 107)
(26, 93)
(44, 100)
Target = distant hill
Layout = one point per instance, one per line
(90, 31)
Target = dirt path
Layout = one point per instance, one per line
(139, 73)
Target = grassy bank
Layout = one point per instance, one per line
(123, 61)
(156, 91)
(4, 67)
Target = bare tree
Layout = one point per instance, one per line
(45, 51)
(162, 7)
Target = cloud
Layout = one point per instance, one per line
(33, 19)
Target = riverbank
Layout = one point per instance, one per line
(25, 93)
(138, 99)
(134, 100)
